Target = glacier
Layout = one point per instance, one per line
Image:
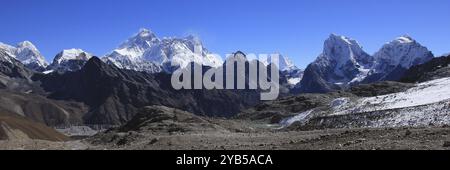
(425, 104)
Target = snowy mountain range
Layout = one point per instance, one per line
(142, 52)
(26, 53)
(344, 63)
(146, 52)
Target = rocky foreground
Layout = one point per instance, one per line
(355, 139)
(163, 128)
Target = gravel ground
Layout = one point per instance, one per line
(339, 139)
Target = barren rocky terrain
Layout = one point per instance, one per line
(163, 128)
(171, 129)
(340, 139)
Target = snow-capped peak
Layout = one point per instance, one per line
(404, 51)
(70, 60)
(347, 57)
(144, 39)
(339, 38)
(27, 53)
(27, 44)
(344, 52)
(168, 53)
(341, 48)
(72, 54)
(343, 62)
(143, 32)
(136, 46)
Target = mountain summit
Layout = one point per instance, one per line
(26, 53)
(70, 60)
(146, 52)
(342, 62)
(395, 57)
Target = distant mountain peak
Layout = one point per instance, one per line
(70, 60)
(138, 43)
(343, 62)
(27, 53)
(396, 56)
(72, 54)
(144, 32)
(27, 44)
(404, 51)
(146, 52)
(341, 39)
(341, 50)
(339, 47)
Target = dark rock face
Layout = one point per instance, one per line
(12, 68)
(341, 63)
(313, 81)
(434, 69)
(395, 75)
(115, 95)
(35, 67)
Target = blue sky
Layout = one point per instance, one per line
(294, 28)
